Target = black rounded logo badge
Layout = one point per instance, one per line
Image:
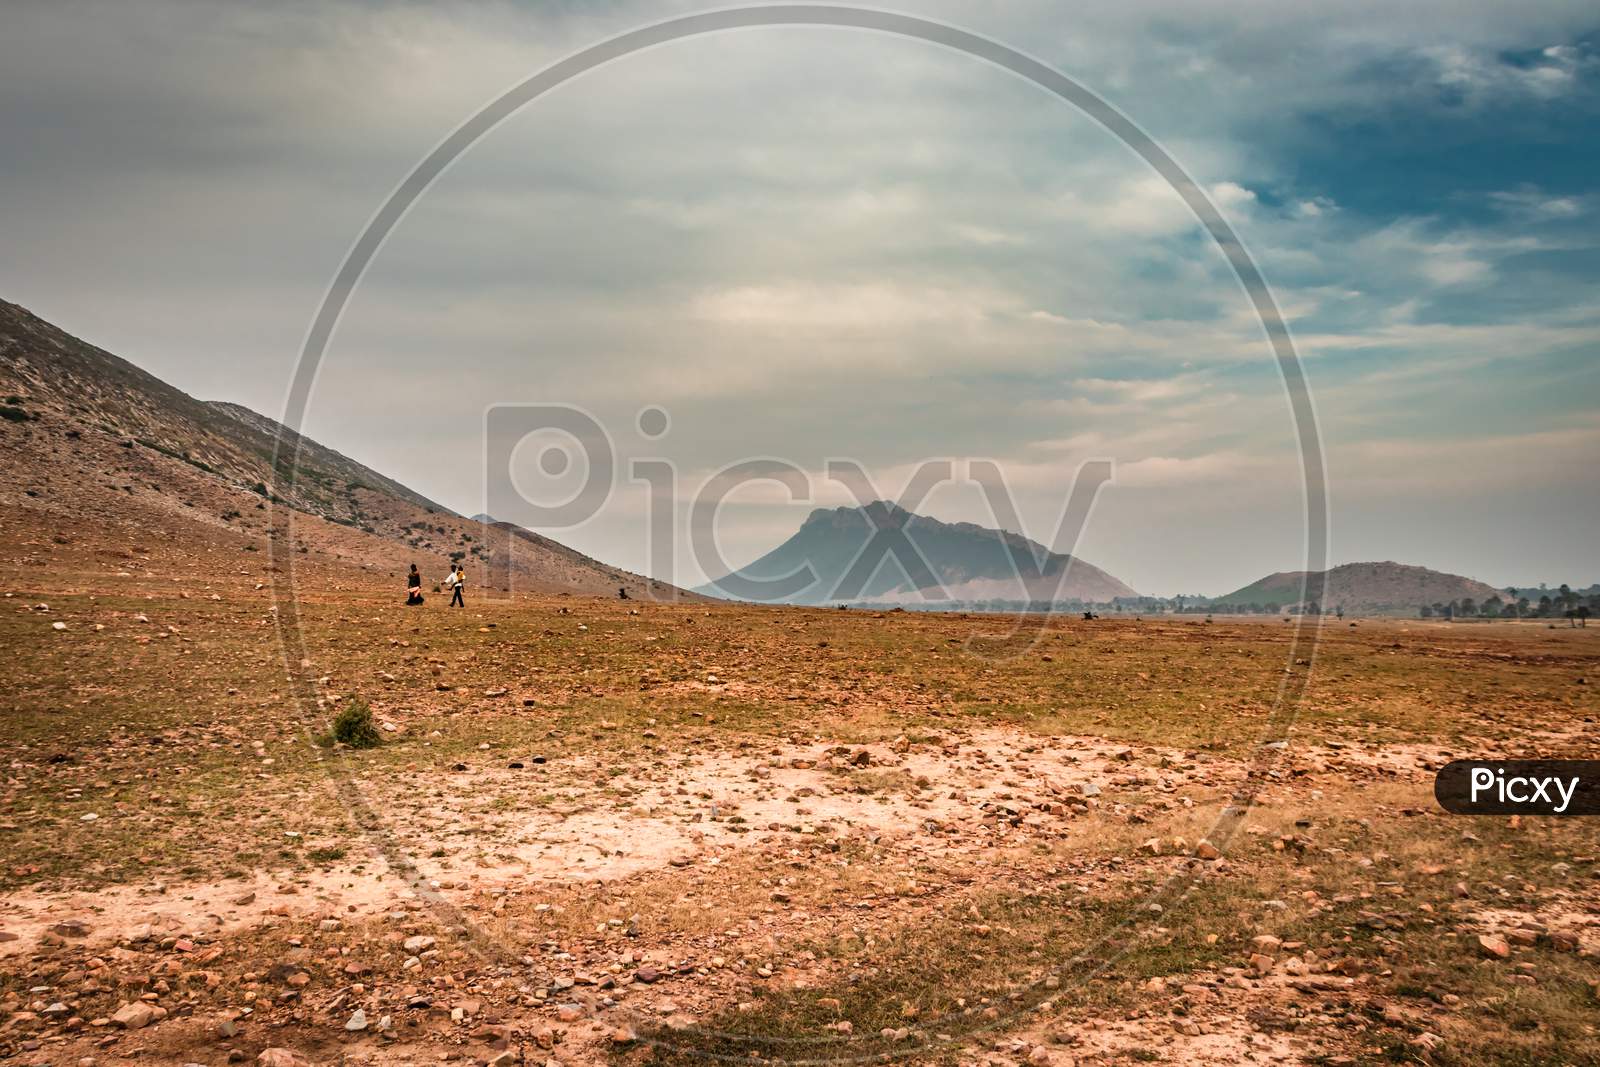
(1519, 787)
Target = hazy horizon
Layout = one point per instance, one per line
(810, 243)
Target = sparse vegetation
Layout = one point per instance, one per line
(354, 728)
(630, 694)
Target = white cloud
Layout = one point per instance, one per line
(1482, 75)
(1145, 206)
(1530, 202)
(823, 307)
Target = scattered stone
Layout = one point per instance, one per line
(1494, 946)
(1428, 1042)
(281, 1057)
(136, 1015)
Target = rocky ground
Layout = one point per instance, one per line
(646, 832)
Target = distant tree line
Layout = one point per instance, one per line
(1564, 603)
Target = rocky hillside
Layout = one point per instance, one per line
(1365, 589)
(970, 563)
(106, 467)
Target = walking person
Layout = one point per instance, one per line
(457, 580)
(413, 587)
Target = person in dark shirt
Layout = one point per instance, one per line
(413, 587)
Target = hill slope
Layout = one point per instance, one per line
(104, 467)
(970, 562)
(1366, 589)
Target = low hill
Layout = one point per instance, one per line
(1364, 589)
(104, 467)
(969, 562)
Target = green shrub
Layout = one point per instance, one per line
(353, 726)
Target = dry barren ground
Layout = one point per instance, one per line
(609, 831)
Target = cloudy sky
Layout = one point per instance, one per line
(813, 243)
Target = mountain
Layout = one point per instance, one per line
(971, 563)
(1367, 589)
(104, 467)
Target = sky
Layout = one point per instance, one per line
(810, 243)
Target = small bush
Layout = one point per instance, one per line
(13, 414)
(353, 726)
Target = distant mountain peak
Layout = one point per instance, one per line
(1381, 587)
(964, 562)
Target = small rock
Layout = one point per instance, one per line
(281, 1057)
(1428, 1042)
(137, 1015)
